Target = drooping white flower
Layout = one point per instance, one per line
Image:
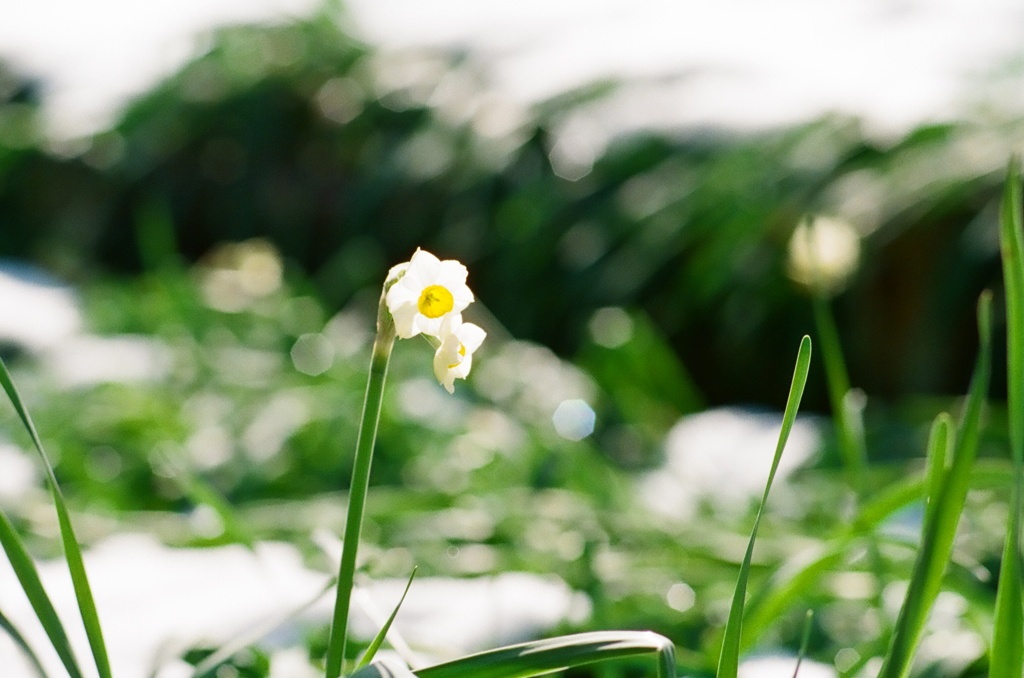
(428, 291)
(454, 357)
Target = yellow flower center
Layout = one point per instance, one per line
(435, 301)
(462, 352)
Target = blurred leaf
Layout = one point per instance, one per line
(634, 365)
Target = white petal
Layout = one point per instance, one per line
(396, 270)
(445, 375)
(452, 273)
(461, 297)
(453, 278)
(462, 369)
(440, 365)
(471, 336)
(423, 271)
(450, 324)
(398, 295)
(405, 320)
(432, 326)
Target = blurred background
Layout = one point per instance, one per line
(199, 201)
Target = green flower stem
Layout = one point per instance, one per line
(851, 443)
(382, 345)
(847, 421)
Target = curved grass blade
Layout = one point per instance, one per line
(209, 664)
(28, 576)
(387, 667)
(1007, 653)
(1005, 656)
(375, 644)
(72, 550)
(944, 508)
(558, 654)
(8, 627)
(939, 459)
(790, 584)
(729, 659)
(202, 493)
(19, 640)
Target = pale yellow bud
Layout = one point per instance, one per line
(823, 254)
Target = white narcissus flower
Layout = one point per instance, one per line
(454, 357)
(428, 291)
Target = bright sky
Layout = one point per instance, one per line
(733, 63)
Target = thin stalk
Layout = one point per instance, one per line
(847, 420)
(382, 345)
(805, 640)
(851, 444)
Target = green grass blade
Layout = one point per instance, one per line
(805, 641)
(938, 461)
(729, 660)
(789, 585)
(1007, 653)
(72, 550)
(1011, 231)
(28, 577)
(211, 662)
(943, 512)
(557, 654)
(387, 667)
(202, 493)
(378, 640)
(19, 640)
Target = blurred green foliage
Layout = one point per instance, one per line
(301, 135)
